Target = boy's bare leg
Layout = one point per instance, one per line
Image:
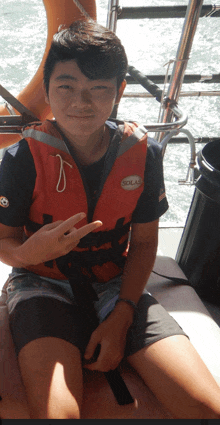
(11, 408)
(52, 374)
(176, 374)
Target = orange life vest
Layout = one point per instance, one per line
(60, 193)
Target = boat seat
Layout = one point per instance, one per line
(181, 301)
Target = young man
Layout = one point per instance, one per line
(70, 192)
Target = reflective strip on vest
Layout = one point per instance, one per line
(46, 138)
(59, 144)
(138, 134)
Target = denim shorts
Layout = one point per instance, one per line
(42, 307)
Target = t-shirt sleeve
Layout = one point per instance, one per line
(152, 202)
(17, 181)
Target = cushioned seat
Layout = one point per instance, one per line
(181, 301)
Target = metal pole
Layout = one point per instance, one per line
(113, 7)
(182, 57)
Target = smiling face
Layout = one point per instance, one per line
(80, 105)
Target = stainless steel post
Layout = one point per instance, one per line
(113, 6)
(190, 24)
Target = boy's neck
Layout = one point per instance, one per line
(90, 149)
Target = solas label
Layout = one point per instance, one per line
(131, 182)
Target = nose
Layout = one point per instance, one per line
(81, 98)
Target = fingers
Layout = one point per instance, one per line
(105, 362)
(51, 226)
(83, 231)
(58, 238)
(68, 224)
(100, 357)
(92, 346)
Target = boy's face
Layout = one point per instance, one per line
(80, 105)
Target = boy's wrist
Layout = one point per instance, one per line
(126, 311)
(127, 301)
(21, 258)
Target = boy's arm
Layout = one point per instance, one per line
(140, 260)
(51, 241)
(10, 241)
(111, 334)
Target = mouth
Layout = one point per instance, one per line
(80, 117)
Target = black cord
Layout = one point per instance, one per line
(177, 280)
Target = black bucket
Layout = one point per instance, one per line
(198, 253)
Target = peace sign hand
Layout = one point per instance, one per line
(54, 240)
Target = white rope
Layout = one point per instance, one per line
(171, 61)
(82, 10)
(164, 86)
(62, 173)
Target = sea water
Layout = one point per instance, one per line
(150, 44)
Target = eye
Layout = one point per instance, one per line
(99, 87)
(65, 87)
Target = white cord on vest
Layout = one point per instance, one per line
(62, 174)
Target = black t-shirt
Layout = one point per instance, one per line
(18, 175)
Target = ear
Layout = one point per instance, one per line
(45, 94)
(120, 92)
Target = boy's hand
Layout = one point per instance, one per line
(111, 335)
(111, 350)
(54, 240)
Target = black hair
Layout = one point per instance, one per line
(97, 51)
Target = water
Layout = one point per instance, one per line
(149, 44)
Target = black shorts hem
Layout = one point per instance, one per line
(151, 324)
(41, 317)
(153, 340)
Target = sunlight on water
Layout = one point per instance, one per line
(150, 44)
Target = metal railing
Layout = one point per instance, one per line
(189, 28)
(192, 13)
(172, 119)
(164, 12)
(13, 123)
